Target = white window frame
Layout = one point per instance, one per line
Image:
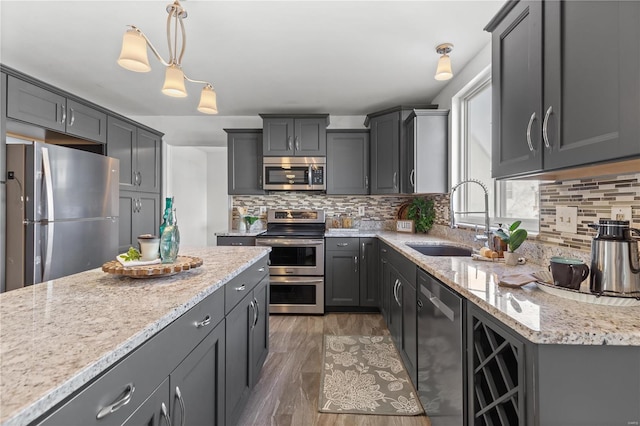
(497, 188)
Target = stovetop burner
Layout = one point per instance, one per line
(295, 224)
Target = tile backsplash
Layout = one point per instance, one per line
(593, 197)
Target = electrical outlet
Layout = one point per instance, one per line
(360, 210)
(621, 213)
(263, 210)
(567, 219)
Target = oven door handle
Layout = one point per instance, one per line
(295, 280)
(276, 242)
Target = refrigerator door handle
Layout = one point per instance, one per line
(48, 181)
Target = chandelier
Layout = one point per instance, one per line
(133, 57)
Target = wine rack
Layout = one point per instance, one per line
(496, 376)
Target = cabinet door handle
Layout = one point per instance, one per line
(261, 269)
(412, 178)
(139, 178)
(205, 322)
(237, 244)
(545, 125)
(260, 181)
(420, 305)
(531, 120)
(366, 182)
(252, 305)
(395, 179)
(395, 291)
(123, 399)
(73, 117)
(289, 144)
(165, 414)
(183, 409)
(383, 250)
(364, 250)
(139, 205)
(64, 113)
(342, 244)
(355, 263)
(243, 287)
(297, 143)
(257, 306)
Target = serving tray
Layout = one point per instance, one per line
(182, 263)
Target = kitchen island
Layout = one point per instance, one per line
(58, 336)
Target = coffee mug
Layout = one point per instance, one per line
(568, 273)
(149, 247)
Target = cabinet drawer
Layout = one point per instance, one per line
(236, 241)
(350, 244)
(242, 285)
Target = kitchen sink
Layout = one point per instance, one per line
(441, 250)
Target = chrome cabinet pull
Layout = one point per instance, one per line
(395, 179)
(412, 178)
(64, 113)
(364, 250)
(62, 116)
(252, 305)
(205, 322)
(383, 250)
(236, 244)
(355, 262)
(342, 244)
(139, 178)
(257, 306)
(420, 304)
(366, 182)
(243, 287)
(259, 181)
(182, 406)
(73, 117)
(289, 145)
(297, 143)
(545, 125)
(261, 269)
(531, 120)
(395, 291)
(165, 414)
(123, 399)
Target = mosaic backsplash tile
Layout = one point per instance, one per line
(593, 198)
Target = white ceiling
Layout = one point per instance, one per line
(341, 57)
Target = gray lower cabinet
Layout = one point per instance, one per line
(348, 162)
(235, 241)
(555, 102)
(138, 215)
(187, 371)
(139, 152)
(244, 161)
(427, 169)
(197, 384)
(351, 272)
(36, 105)
(247, 345)
(295, 135)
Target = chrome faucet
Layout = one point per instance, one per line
(487, 230)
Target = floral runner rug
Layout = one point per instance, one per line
(364, 375)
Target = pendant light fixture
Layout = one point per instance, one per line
(133, 57)
(444, 71)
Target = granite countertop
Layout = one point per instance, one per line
(536, 315)
(58, 335)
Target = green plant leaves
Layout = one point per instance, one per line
(423, 213)
(515, 238)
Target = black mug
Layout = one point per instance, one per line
(568, 273)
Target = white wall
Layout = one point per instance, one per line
(186, 180)
(218, 201)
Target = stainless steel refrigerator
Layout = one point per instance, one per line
(62, 211)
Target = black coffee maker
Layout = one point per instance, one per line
(615, 262)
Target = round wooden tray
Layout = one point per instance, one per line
(182, 263)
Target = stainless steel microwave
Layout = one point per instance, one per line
(295, 173)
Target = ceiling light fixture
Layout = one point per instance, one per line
(133, 57)
(444, 72)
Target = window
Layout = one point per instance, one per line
(509, 200)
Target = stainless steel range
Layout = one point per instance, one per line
(296, 270)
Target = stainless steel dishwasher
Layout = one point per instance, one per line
(440, 354)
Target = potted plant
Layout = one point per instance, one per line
(423, 213)
(513, 237)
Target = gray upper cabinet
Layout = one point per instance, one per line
(389, 157)
(577, 109)
(427, 168)
(244, 158)
(139, 214)
(294, 135)
(139, 153)
(348, 162)
(35, 105)
(591, 102)
(516, 90)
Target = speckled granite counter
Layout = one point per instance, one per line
(59, 335)
(534, 314)
(537, 316)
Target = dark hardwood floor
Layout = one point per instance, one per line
(288, 389)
